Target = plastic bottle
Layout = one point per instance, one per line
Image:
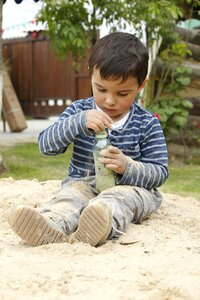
(105, 178)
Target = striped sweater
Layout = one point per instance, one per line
(141, 139)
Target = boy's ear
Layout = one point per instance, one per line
(143, 84)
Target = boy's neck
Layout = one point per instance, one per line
(118, 118)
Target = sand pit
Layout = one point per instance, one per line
(157, 260)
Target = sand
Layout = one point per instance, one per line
(157, 260)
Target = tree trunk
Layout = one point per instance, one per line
(195, 69)
(195, 51)
(1, 64)
(2, 165)
(188, 35)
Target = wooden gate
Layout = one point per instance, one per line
(44, 84)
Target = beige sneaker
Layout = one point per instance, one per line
(94, 226)
(33, 227)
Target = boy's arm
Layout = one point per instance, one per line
(57, 137)
(151, 171)
(132, 172)
(147, 175)
(72, 123)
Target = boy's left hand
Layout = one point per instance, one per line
(114, 159)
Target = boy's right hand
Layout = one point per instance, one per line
(98, 120)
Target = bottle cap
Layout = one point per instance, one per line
(102, 134)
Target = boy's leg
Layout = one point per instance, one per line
(94, 226)
(66, 206)
(126, 204)
(56, 219)
(129, 204)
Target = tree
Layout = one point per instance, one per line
(172, 76)
(73, 25)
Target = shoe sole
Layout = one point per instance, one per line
(33, 228)
(94, 226)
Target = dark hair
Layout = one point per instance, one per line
(120, 55)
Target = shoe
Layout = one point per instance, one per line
(94, 226)
(33, 227)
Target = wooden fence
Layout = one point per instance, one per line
(44, 84)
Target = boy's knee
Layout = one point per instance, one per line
(118, 189)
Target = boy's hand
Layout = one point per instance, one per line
(114, 159)
(98, 120)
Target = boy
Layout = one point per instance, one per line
(118, 67)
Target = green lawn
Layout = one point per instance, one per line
(184, 180)
(26, 162)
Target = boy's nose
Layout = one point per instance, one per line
(110, 100)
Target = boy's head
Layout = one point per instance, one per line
(119, 55)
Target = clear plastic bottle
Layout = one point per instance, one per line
(105, 178)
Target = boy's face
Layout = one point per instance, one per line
(112, 96)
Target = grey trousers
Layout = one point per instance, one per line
(128, 204)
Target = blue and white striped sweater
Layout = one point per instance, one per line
(141, 139)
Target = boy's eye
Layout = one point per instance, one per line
(122, 95)
(101, 90)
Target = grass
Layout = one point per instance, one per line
(183, 180)
(24, 161)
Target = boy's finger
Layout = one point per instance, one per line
(106, 117)
(113, 149)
